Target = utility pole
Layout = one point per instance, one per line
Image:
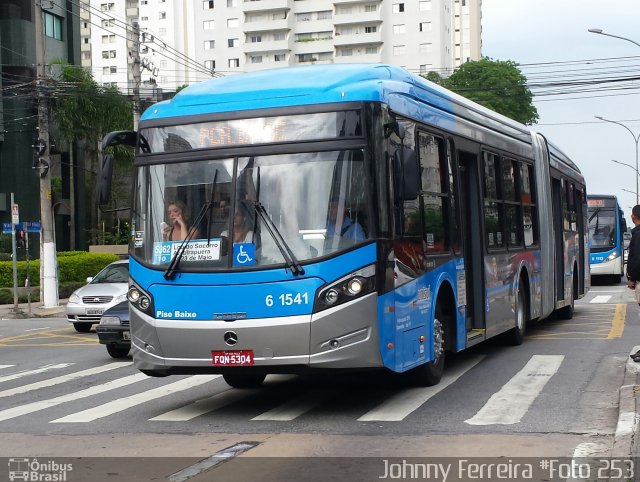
(48, 261)
(133, 43)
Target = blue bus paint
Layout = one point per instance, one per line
(606, 242)
(397, 318)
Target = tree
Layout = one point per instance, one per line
(83, 112)
(495, 84)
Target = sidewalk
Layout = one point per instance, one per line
(37, 310)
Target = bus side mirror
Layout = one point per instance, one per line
(126, 138)
(407, 178)
(103, 192)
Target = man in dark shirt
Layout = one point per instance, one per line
(633, 262)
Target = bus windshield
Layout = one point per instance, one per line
(602, 229)
(316, 201)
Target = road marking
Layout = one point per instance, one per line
(123, 403)
(600, 299)
(6, 366)
(63, 378)
(43, 369)
(403, 404)
(36, 329)
(294, 408)
(72, 339)
(203, 406)
(88, 392)
(511, 402)
(617, 324)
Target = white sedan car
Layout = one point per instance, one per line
(108, 288)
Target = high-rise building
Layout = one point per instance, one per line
(182, 41)
(19, 94)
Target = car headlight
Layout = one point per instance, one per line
(120, 298)
(347, 288)
(110, 320)
(74, 298)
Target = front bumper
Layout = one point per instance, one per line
(108, 335)
(343, 337)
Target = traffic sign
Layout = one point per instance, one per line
(30, 226)
(15, 214)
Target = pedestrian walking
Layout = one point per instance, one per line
(633, 262)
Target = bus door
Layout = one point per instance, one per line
(472, 243)
(558, 235)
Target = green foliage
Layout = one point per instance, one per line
(434, 77)
(64, 291)
(495, 84)
(72, 268)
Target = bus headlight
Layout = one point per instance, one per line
(347, 288)
(140, 299)
(612, 256)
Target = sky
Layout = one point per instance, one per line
(550, 41)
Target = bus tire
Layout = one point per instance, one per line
(516, 335)
(566, 312)
(154, 373)
(430, 373)
(244, 380)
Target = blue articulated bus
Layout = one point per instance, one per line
(341, 217)
(606, 236)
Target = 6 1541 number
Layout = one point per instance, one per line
(287, 299)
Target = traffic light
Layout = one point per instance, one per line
(20, 239)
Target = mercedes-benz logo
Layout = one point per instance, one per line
(230, 338)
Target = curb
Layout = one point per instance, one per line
(624, 442)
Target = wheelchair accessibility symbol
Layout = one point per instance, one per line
(244, 254)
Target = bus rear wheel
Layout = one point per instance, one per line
(566, 313)
(244, 380)
(520, 311)
(430, 373)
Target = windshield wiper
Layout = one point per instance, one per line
(282, 245)
(175, 261)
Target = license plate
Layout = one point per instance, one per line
(126, 335)
(232, 358)
(94, 312)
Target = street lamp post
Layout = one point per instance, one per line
(600, 32)
(636, 139)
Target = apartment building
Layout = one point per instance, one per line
(191, 40)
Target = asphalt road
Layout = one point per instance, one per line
(61, 395)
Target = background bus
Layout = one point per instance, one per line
(607, 226)
(468, 226)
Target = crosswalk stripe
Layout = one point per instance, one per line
(294, 408)
(123, 403)
(87, 392)
(511, 402)
(5, 366)
(63, 378)
(203, 406)
(25, 373)
(600, 299)
(403, 404)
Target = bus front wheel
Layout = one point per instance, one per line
(430, 373)
(244, 380)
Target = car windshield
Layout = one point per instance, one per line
(317, 202)
(114, 273)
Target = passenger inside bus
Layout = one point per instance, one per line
(178, 226)
(242, 232)
(348, 228)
